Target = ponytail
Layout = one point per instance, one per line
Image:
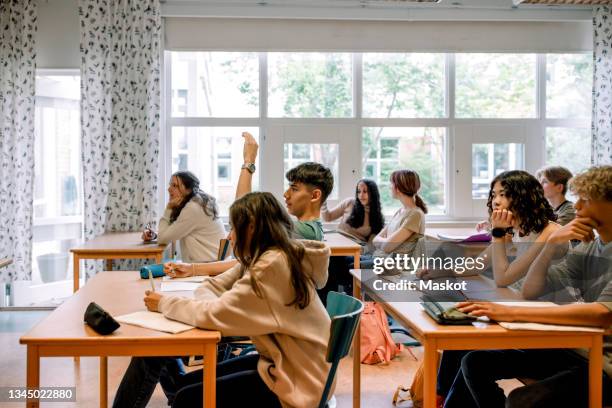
(420, 203)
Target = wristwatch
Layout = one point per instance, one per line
(250, 167)
(501, 232)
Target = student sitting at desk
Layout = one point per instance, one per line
(191, 217)
(554, 182)
(269, 296)
(309, 186)
(521, 216)
(468, 379)
(402, 234)
(360, 216)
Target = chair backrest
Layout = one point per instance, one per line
(344, 312)
(223, 249)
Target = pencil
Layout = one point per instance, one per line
(151, 280)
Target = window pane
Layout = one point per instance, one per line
(57, 184)
(495, 86)
(569, 82)
(491, 159)
(310, 85)
(568, 147)
(57, 175)
(326, 154)
(217, 165)
(215, 84)
(403, 85)
(419, 149)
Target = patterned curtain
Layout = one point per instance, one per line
(601, 152)
(120, 112)
(17, 84)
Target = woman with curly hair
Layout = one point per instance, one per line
(519, 214)
(522, 219)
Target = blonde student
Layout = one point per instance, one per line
(192, 218)
(270, 296)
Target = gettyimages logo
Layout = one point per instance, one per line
(411, 264)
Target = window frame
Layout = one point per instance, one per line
(457, 208)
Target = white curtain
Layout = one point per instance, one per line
(17, 79)
(601, 152)
(120, 113)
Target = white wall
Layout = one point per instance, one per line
(57, 38)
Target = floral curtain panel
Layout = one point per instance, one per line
(602, 86)
(17, 78)
(120, 112)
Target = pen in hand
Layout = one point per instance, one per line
(151, 280)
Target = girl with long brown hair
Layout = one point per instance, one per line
(268, 296)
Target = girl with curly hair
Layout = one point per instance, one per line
(519, 214)
(522, 219)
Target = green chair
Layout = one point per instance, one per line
(344, 312)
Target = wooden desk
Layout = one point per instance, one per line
(63, 333)
(436, 337)
(115, 245)
(343, 246)
(5, 262)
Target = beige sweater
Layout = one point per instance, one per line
(198, 233)
(343, 209)
(291, 341)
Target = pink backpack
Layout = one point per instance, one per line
(377, 345)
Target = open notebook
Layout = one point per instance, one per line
(154, 321)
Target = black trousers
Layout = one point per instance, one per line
(468, 379)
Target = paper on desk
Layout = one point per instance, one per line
(153, 320)
(178, 286)
(548, 327)
(196, 278)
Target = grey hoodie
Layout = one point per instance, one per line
(291, 341)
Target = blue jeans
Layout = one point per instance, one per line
(238, 383)
(468, 379)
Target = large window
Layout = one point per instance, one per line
(457, 119)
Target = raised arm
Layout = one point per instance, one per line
(249, 154)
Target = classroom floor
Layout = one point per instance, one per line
(378, 382)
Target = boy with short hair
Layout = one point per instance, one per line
(586, 270)
(310, 185)
(554, 181)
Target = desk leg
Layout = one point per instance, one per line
(356, 260)
(109, 264)
(595, 372)
(103, 382)
(159, 258)
(33, 373)
(357, 347)
(430, 361)
(77, 269)
(210, 375)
